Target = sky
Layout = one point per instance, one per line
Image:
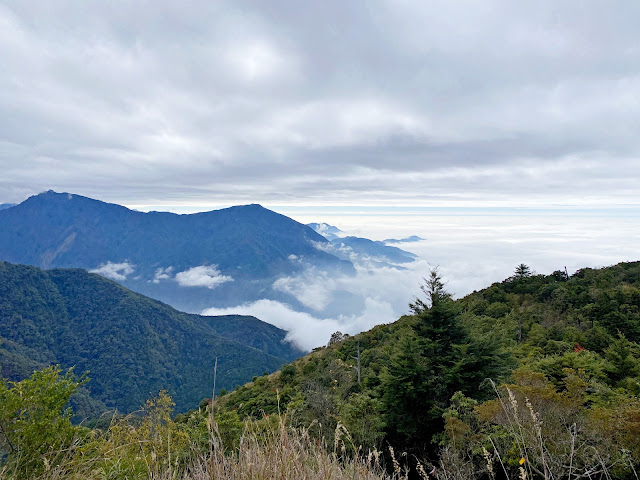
(197, 104)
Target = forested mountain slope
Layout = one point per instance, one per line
(132, 345)
(567, 348)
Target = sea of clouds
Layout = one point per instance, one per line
(472, 249)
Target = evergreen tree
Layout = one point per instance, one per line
(433, 288)
(522, 271)
(434, 360)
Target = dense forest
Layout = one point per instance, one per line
(534, 377)
(554, 354)
(132, 346)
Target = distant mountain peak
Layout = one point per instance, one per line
(411, 239)
(247, 243)
(66, 200)
(52, 193)
(329, 232)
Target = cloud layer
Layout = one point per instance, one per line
(308, 331)
(383, 102)
(348, 303)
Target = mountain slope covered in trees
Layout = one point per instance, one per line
(559, 350)
(535, 377)
(132, 346)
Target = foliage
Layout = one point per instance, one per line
(548, 325)
(337, 337)
(434, 290)
(409, 371)
(35, 425)
(149, 442)
(536, 428)
(151, 445)
(562, 399)
(132, 345)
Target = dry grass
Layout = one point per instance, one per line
(277, 452)
(286, 454)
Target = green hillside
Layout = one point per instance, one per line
(132, 346)
(567, 349)
(536, 377)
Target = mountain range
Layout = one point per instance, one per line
(376, 252)
(132, 346)
(329, 232)
(363, 250)
(221, 259)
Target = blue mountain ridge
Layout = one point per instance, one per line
(246, 247)
(377, 252)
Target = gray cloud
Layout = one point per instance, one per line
(524, 103)
(494, 104)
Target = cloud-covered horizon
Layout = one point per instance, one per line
(374, 103)
(471, 251)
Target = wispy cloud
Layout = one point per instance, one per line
(349, 303)
(162, 274)
(313, 288)
(203, 276)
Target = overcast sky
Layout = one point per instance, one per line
(516, 103)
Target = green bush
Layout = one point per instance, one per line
(35, 426)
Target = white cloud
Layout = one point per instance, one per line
(115, 271)
(162, 274)
(313, 288)
(318, 289)
(257, 60)
(308, 331)
(203, 276)
(472, 251)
